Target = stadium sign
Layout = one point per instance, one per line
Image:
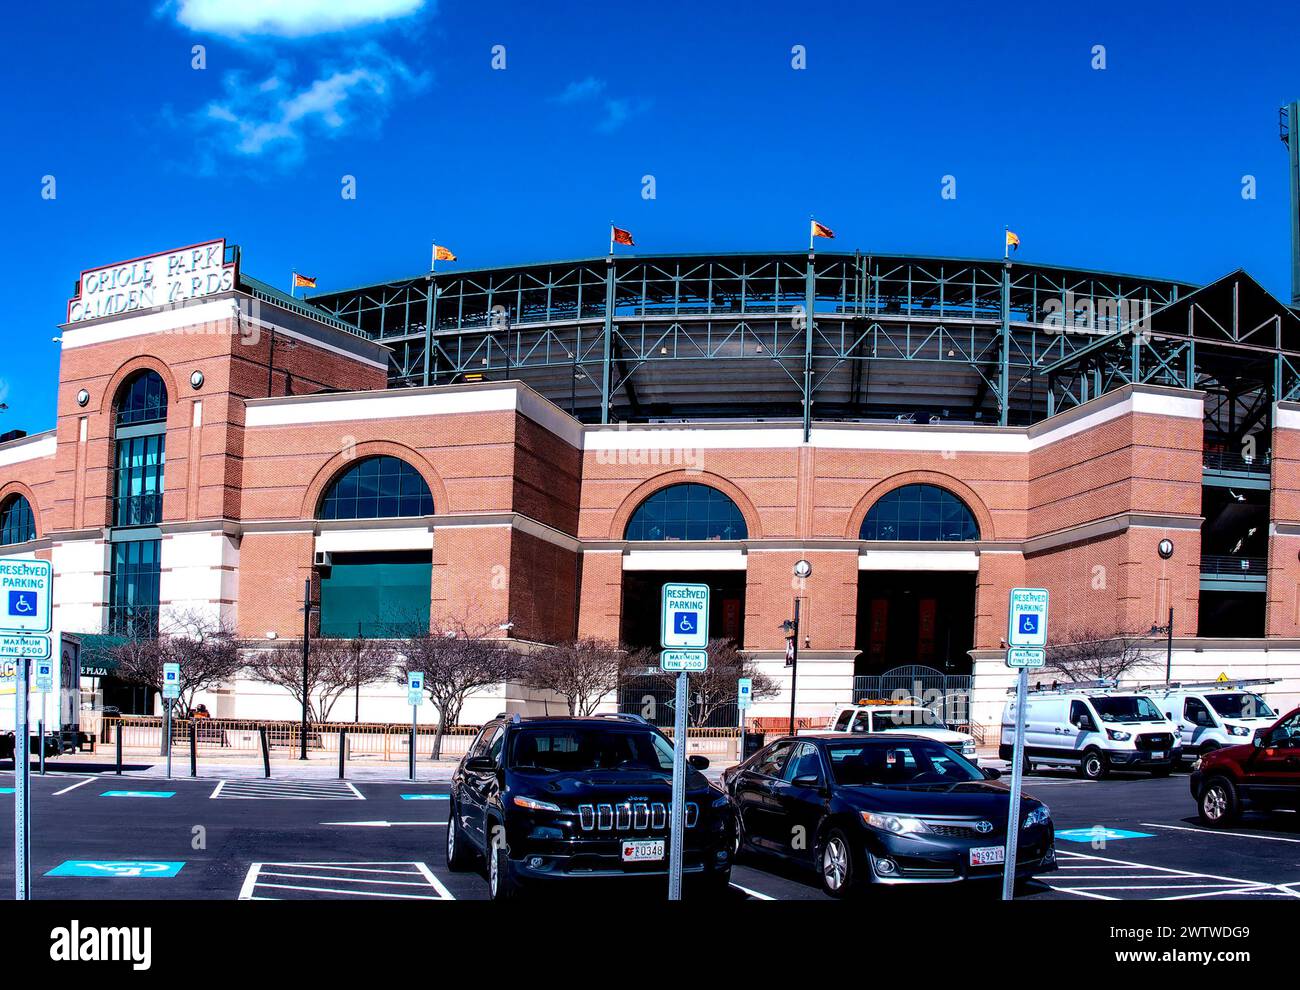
(167, 279)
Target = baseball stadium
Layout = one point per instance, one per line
(879, 445)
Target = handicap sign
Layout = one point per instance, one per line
(32, 647)
(25, 604)
(44, 675)
(684, 660)
(1098, 833)
(171, 680)
(744, 692)
(125, 868)
(685, 616)
(415, 688)
(425, 797)
(1027, 617)
(1022, 656)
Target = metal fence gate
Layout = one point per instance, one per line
(946, 694)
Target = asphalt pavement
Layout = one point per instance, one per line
(101, 836)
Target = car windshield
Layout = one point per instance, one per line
(568, 749)
(1133, 708)
(914, 763)
(1242, 704)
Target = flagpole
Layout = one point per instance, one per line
(811, 228)
(433, 257)
(1006, 243)
(291, 285)
(611, 238)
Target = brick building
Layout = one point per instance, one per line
(419, 453)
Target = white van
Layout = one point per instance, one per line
(1213, 714)
(915, 720)
(1094, 730)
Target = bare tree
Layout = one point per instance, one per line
(457, 658)
(1089, 653)
(205, 649)
(334, 667)
(715, 687)
(582, 671)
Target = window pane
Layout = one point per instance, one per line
(377, 488)
(919, 512)
(687, 512)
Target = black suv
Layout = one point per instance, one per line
(554, 799)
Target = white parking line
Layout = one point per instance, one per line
(1179, 884)
(1215, 831)
(81, 783)
(753, 893)
(364, 879)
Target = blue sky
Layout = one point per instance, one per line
(1135, 167)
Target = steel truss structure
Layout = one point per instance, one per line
(690, 337)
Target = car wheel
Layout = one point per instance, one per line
(502, 885)
(837, 864)
(1218, 804)
(739, 848)
(459, 854)
(1026, 767)
(1094, 765)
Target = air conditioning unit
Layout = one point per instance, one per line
(324, 560)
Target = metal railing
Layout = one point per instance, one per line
(1225, 460)
(1228, 566)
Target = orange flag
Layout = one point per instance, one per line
(622, 236)
(821, 230)
(304, 281)
(441, 253)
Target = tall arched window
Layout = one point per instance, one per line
(17, 522)
(377, 488)
(920, 512)
(687, 512)
(140, 447)
(142, 399)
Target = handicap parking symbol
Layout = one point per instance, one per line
(22, 603)
(1028, 623)
(127, 868)
(684, 623)
(1098, 833)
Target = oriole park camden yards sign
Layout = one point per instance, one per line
(157, 280)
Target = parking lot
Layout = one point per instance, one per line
(106, 837)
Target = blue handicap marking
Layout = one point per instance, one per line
(22, 603)
(1097, 833)
(123, 868)
(684, 622)
(424, 797)
(1028, 623)
(143, 794)
(6, 790)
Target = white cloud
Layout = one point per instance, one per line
(615, 110)
(276, 117)
(288, 18)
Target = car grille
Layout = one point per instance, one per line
(638, 816)
(956, 828)
(1154, 740)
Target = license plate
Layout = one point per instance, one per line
(1158, 756)
(642, 850)
(988, 855)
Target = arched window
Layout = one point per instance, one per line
(142, 399)
(687, 512)
(377, 488)
(17, 523)
(920, 512)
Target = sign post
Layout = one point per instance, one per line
(26, 610)
(744, 694)
(414, 698)
(1026, 637)
(170, 692)
(685, 634)
(44, 682)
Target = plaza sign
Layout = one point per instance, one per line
(156, 280)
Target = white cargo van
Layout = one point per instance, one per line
(1213, 714)
(1094, 729)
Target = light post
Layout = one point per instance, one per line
(1168, 631)
(791, 629)
(306, 648)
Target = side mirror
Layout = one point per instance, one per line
(807, 780)
(480, 764)
(991, 774)
(698, 762)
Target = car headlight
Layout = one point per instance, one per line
(1238, 730)
(894, 824)
(1039, 816)
(968, 747)
(533, 804)
(1118, 736)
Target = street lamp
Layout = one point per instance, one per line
(1168, 631)
(306, 646)
(791, 629)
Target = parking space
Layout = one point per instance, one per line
(1128, 838)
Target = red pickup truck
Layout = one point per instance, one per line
(1262, 775)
